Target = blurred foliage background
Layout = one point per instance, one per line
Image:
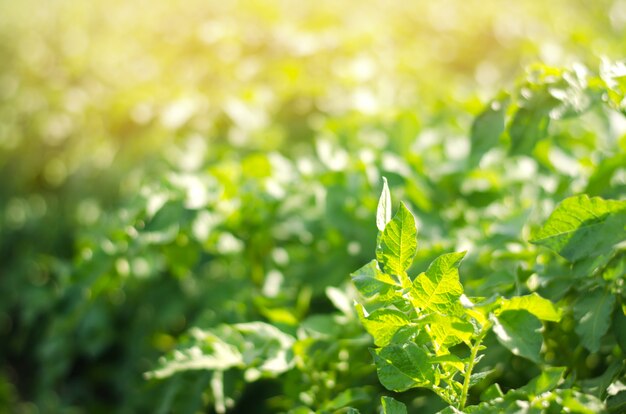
(178, 164)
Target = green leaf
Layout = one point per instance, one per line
(340, 299)
(549, 379)
(520, 332)
(398, 243)
(614, 76)
(593, 312)
(451, 360)
(401, 367)
(530, 123)
(216, 355)
(577, 402)
(438, 289)
(600, 181)
(259, 348)
(617, 403)
(479, 376)
(391, 406)
(382, 324)
(535, 304)
(447, 331)
(487, 128)
(383, 213)
(369, 281)
(598, 386)
(581, 227)
(492, 392)
(619, 328)
(348, 397)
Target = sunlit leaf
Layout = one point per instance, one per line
(382, 324)
(398, 243)
(580, 227)
(439, 288)
(383, 213)
(535, 304)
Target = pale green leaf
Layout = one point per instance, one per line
(593, 313)
(535, 304)
(451, 360)
(398, 243)
(520, 332)
(577, 402)
(439, 289)
(340, 299)
(391, 406)
(447, 331)
(581, 227)
(383, 213)
(382, 324)
(401, 367)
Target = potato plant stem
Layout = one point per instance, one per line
(470, 365)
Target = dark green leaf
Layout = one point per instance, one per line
(617, 403)
(619, 327)
(530, 123)
(548, 380)
(492, 392)
(487, 128)
(593, 313)
(520, 332)
(598, 386)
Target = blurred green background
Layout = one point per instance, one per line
(177, 164)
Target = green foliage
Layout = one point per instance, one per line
(581, 227)
(422, 318)
(187, 185)
(391, 406)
